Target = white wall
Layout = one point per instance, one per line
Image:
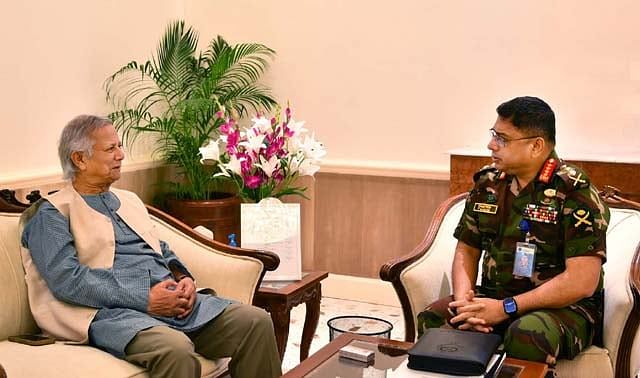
(55, 58)
(399, 83)
(383, 84)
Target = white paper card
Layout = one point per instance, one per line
(274, 226)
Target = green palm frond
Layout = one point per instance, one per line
(176, 94)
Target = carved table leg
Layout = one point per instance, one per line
(312, 315)
(281, 316)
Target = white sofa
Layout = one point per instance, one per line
(423, 276)
(233, 272)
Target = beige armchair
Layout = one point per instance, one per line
(422, 276)
(233, 272)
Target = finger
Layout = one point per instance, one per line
(475, 307)
(191, 288)
(461, 317)
(470, 295)
(476, 321)
(184, 314)
(168, 285)
(458, 303)
(482, 329)
(185, 310)
(464, 327)
(182, 303)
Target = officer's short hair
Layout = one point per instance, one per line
(531, 115)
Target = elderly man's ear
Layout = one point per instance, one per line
(79, 160)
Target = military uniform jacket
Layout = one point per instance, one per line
(564, 217)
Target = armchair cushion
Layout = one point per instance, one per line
(67, 360)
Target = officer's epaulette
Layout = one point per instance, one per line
(488, 172)
(574, 178)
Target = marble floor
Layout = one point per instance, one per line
(329, 308)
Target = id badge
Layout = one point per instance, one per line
(524, 260)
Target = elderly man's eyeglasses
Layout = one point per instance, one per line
(502, 141)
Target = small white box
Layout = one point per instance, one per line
(355, 353)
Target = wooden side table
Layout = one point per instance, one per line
(279, 297)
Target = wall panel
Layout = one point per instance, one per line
(363, 221)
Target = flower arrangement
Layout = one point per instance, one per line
(264, 160)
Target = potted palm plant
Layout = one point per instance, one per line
(182, 98)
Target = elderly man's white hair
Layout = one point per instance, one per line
(76, 136)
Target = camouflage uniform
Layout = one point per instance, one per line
(566, 219)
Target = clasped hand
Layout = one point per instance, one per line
(172, 299)
(477, 314)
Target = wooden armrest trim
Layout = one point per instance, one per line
(9, 203)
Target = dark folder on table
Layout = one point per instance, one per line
(450, 351)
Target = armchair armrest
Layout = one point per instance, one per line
(233, 272)
(423, 275)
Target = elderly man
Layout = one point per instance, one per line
(98, 275)
(542, 229)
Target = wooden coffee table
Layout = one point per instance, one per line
(390, 354)
(279, 297)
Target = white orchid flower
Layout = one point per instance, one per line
(307, 168)
(233, 165)
(293, 162)
(223, 172)
(269, 166)
(262, 123)
(294, 143)
(312, 149)
(254, 141)
(296, 128)
(210, 153)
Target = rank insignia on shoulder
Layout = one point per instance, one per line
(547, 170)
(581, 217)
(486, 208)
(576, 178)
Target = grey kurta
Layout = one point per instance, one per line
(121, 293)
